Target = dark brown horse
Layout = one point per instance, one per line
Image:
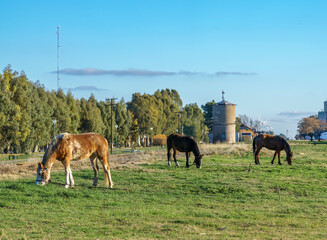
(276, 143)
(183, 144)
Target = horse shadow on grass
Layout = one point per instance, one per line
(88, 186)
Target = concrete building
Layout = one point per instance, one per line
(224, 121)
(322, 116)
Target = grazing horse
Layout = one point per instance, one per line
(183, 144)
(276, 143)
(66, 147)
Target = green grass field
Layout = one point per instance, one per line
(226, 199)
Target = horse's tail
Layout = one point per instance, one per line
(253, 145)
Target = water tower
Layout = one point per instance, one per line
(224, 121)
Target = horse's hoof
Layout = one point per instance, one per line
(66, 186)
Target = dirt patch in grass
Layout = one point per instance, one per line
(12, 171)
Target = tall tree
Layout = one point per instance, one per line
(60, 112)
(207, 112)
(172, 107)
(91, 119)
(108, 119)
(74, 110)
(194, 123)
(41, 122)
(311, 127)
(321, 127)
(9, 111)
(307, 127)
(123, 121)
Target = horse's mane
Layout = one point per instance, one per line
(52, 147)
(287, 146)
(196, 148)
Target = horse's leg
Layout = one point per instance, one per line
(256, 156)
(106, 169)
(174, 155)
(72, 183)
(68, 173)
(187, 157)
(169, 155)
(95, 167)
(272, 161)
(279, 162)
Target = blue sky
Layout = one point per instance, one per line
(268, 56)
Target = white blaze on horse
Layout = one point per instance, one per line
(66, 147)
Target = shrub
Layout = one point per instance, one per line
(159, 140)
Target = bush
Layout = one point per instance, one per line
(159, 140)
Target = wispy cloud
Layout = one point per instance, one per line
(86, 88)
(294, 114)
(219, 74)
(121, 73)
(141, 73)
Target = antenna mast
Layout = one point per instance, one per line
(58, 78)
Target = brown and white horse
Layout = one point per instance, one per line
(271, 142)
(66, 147)
(185, 144)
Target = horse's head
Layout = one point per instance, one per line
(198, 161)
(289, 158)
(42, 175)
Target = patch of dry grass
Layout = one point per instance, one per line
(17, 171)
(13, 171)
(239, 149)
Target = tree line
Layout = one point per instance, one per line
(30, 115)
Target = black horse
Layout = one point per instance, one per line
(183, 144)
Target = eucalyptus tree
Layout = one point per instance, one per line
(107, 119)
(141, 107)
(207, 113)
(9, 111)
(91, 119)
(41, 122)
(172, 107)
(123, 121)
(193, 122)
(74, 110)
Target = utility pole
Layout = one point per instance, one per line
(178, 119)
(58, 78)
(112, 104)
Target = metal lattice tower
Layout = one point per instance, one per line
(58, 78)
